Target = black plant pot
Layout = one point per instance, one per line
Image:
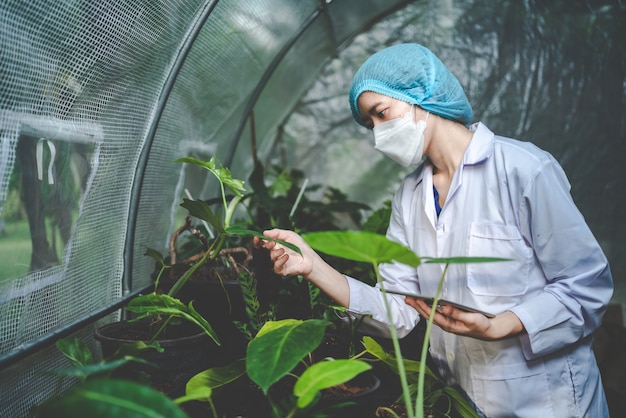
(187, 351)
(220, 303)
(357, 397)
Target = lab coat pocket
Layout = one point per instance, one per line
(508, 390)
(502, 278)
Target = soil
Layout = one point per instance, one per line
(400, 411)
(345, 390)
(144, 330)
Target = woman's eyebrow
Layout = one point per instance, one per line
(372, 109)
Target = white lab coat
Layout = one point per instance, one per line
(507, 199)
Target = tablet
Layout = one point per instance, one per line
(429, 300)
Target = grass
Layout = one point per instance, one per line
(16, 248)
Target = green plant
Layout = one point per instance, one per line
(256, 315)
(438, 396)
(275, 354)
(165, 305)
(376, 249)
(98, 395)
(284, 202)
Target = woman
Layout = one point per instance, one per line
(476, 194)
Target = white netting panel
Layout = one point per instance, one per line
(90, 78)
(85, 76)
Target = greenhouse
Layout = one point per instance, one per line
(147, 142)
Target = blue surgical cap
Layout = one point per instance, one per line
(412, 73)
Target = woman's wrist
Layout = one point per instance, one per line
(504, 325)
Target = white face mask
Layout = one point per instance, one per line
(401, 139)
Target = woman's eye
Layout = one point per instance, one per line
(381, 114)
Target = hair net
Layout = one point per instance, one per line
(412, 73)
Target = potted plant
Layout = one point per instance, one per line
(98, 395)
(170, 320)
(278, 374)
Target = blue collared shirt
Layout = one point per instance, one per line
(507, 199)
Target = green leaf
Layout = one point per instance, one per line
(163, 304)
(324, 375)
(378, 222)
(461, 404)
(279, 346)
(272, 325)
(97, 369)
(411, 367)
(238, 230)
(75, 350)
(106, 398)
(214, 378)
(156, 255)
(281, 185)
(201, 394)
(201, 210)
(361, 246)
(222, 173)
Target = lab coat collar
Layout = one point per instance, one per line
(478, 151)
(480, 147)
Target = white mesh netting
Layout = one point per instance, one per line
(86, 178)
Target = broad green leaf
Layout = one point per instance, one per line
(272, 325)
(214, 378)
(361, 246)
(75, 350)
(323, 375)
(243, 232)
(277, 349)
(201, 210)
(163, 304)
(106, 398)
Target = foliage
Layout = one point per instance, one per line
(275, 353)
(105, 398)
(438, 396)
(284, 203)
(99, 395)
(165, 305)
(256, 316)
(377, 249)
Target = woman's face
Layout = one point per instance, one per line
(376, 108)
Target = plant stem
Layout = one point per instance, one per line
(160, 330)
(419, 404)
(292, 412)
(213, 252)
(396, 346)
(230, 209)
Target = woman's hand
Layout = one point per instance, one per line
(471, 324)
(286, 261)
(309, 264)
